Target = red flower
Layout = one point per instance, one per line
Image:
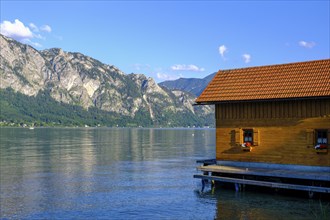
(323, 146)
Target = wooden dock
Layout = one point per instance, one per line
(303, 178)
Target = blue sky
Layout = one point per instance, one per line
(171, 39)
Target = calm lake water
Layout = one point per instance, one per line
(104, 173)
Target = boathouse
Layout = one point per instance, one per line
(274, 118)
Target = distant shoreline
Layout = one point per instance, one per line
(88, 127)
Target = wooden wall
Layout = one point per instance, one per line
(283, 129)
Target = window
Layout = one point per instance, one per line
(319, 139)
(248, 135)
(241, 136)
(321, 136)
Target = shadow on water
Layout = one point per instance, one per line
(260, 205)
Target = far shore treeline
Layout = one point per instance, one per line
(18, 110)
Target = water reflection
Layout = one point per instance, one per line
(75, 173)
(89, 173)
(253, 205)
(39, 166)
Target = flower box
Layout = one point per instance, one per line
(321, 149)
(246, 146)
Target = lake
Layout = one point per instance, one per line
(122, 173)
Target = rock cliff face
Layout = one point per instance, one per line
(77, 79)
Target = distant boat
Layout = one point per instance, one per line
(31, 128)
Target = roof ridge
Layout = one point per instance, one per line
(277, 64)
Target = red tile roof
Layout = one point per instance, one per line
(284, 81)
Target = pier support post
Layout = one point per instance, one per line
(238, 187)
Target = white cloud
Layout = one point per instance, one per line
(35, 44)
(183, 67)
(34, 27)
(164, 76)
(16, 30)
(28, 41)
(39, 36)
(138, 66)
(306, 44)
(46, 28)
(246, 58)
(222, 50)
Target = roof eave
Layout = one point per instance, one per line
(260, 100)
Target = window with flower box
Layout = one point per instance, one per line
(318, 139)
(321, 140)
(247, 138)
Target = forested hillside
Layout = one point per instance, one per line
(42, 110)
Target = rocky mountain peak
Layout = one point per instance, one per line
(76, 79)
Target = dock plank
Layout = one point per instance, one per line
(266, 184)
(284, 173)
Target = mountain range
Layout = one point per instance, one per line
(192, 85)
(73, 80)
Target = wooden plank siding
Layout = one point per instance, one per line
(273, 109)
(283, 131)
